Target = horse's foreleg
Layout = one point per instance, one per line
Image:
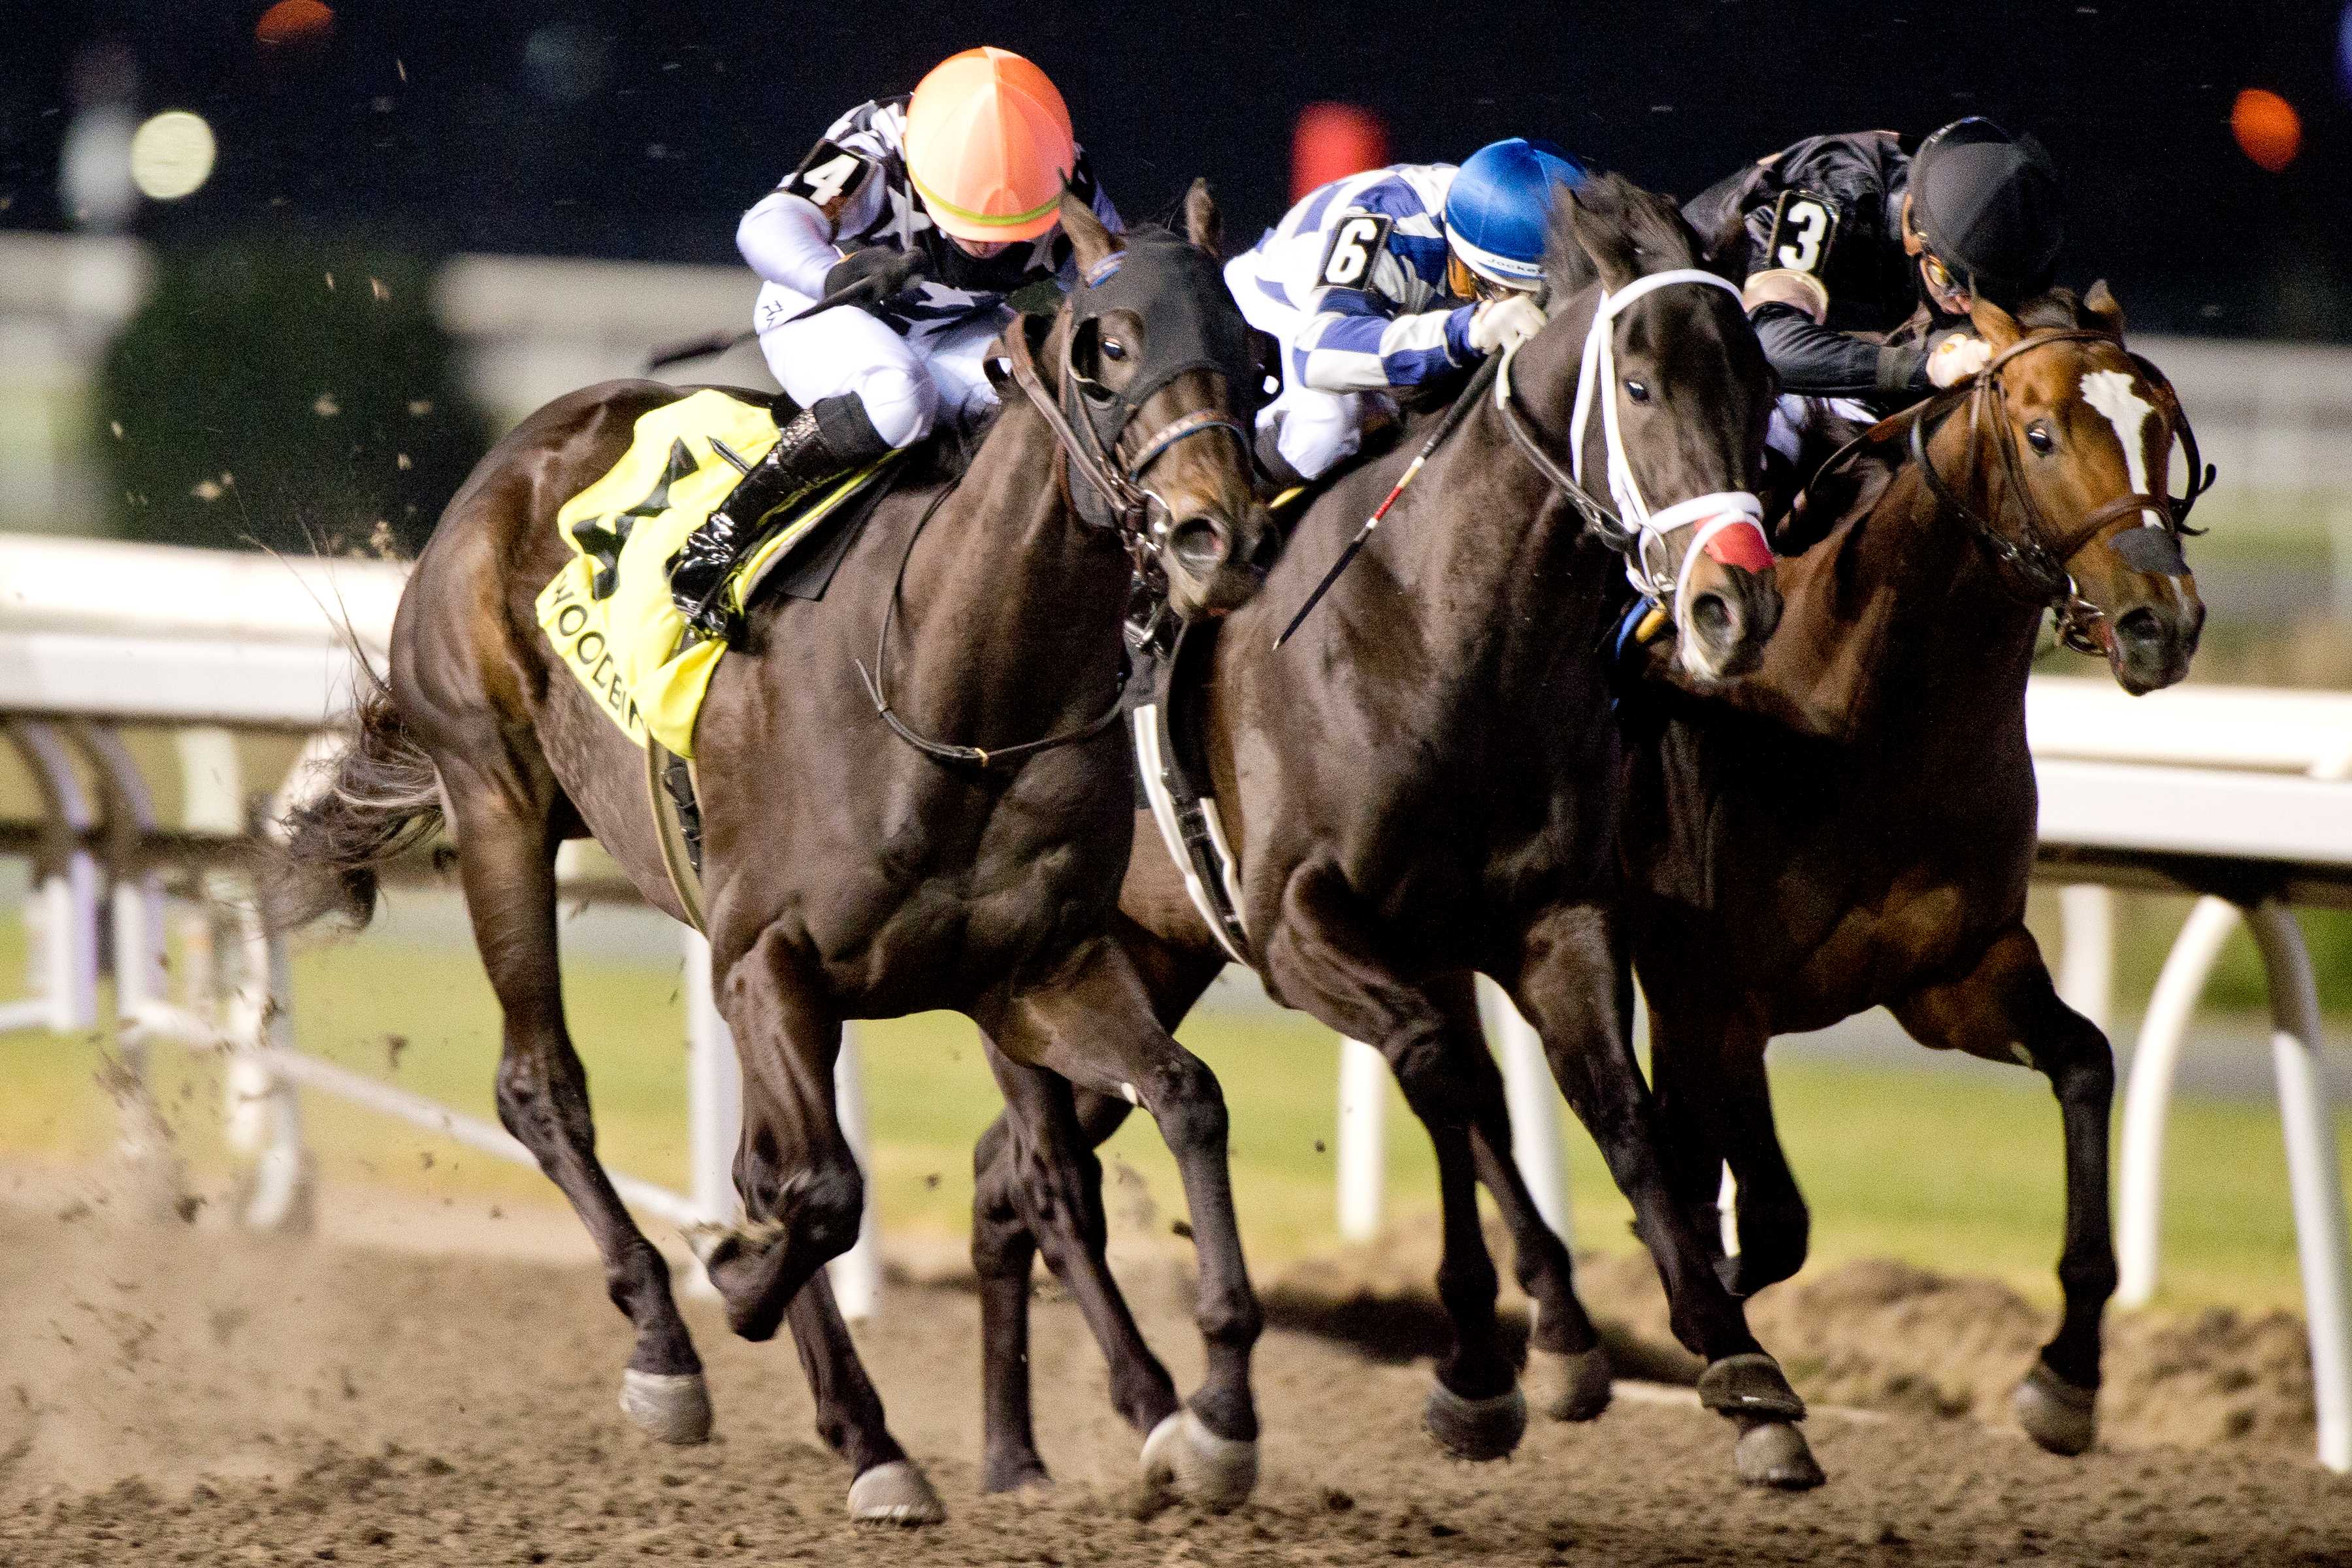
(1038, 1162)
(1094, 1024)
(2006, 1009)
(1327, 957)
(1714, 1105)
(1567, 1365)
(803, 1198)
(1574, 985)
(508, 872)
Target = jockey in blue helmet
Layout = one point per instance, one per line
(1391, 279)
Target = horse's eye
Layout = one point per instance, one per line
(1113, 350)
(2037, 435)
(1639, 391)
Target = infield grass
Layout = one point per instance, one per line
(1955, 1170)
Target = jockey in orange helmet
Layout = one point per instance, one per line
(963, 181)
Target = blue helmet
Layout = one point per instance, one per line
(1495, 212)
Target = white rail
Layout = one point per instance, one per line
(93, 635)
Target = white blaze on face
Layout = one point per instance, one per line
(2112, 394)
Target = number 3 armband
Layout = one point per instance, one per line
(1803, 228)
(829, 177)
(1357, 240)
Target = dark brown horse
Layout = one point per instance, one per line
(1859, 831)
(1423, 786)
(846, 875)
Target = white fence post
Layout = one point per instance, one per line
(714, 1095)
(2313, 1176)
(2147, 1095)
(2087, 958)
(1362, 1139)
(1534, 1101)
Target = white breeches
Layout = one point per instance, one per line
(1318, 430)
(904, 382)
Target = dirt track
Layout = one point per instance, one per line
(186, 1394)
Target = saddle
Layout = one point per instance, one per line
(609, 612)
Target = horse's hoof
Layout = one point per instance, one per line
(1775, 1454)
(1217, 1473)
(2060, 1416)
(1475, 1430)
(672, 1406)
(895, 1493)
(1749, 1384)
(1025, 1474)
(1571, 1385)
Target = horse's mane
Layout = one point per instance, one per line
(1618, 214)
(2057, 309)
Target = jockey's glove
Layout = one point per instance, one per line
(878, 271)
(1505, 323)
(1956, 359)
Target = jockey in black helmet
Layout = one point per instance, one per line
(1862, 252)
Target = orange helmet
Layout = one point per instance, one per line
(988, 146)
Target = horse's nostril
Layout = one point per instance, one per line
(1711, 617)
(1199, 544)
(2139, 625)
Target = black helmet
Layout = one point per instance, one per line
(1987, 205)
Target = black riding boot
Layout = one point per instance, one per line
(820, 442)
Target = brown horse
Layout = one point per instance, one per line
(1853, 825)
(847, 874)
(1423, 786)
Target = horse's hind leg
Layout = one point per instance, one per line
(1038, 1185)
(1574, 985)
(2007, 1010)
(1567, 1365)
(803, 1198)
(1094, 1024)
(507, 865)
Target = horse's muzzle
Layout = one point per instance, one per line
(2149, 649)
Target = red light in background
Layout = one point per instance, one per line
(2267, 128)
(294, 22)
(1331, 142)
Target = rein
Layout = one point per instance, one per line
(1711, 513)
(1131, 515)
(2034, 561)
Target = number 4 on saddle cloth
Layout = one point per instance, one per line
(609, 611)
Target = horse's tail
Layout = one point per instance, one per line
(380, 800)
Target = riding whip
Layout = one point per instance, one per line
(1455, 415)
(878, 285)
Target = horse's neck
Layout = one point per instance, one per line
(1033, 599)
(1496, 562)
(1898, 615)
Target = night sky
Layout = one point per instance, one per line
(588, 127)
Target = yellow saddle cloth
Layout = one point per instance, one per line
(609, 611)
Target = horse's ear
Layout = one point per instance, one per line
(1599, 218)
(2105, 312)
(1090, 241)
(1993, 324)
(1203, 225)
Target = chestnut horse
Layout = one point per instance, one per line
(1851, 826)
(1423, 786)
(847, 874)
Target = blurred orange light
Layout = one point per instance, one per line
(295, 22)
(2267, 128)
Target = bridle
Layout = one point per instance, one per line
(1642, 540)
(1090, 423)
(2033, 561)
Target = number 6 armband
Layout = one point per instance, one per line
(1357, 240)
